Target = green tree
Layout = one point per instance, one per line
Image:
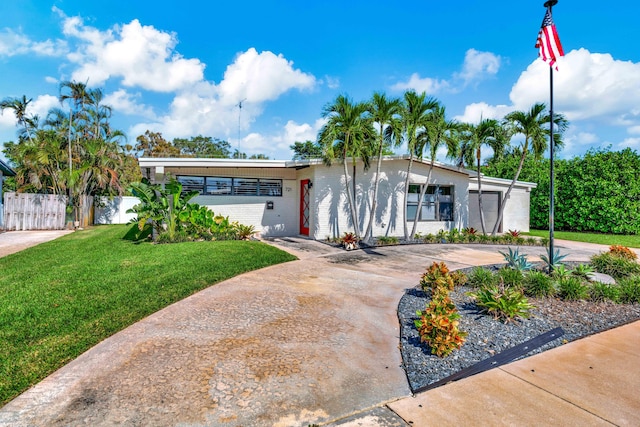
(488, 133)
(438, 131)
(203, 146)
(306, 150)
(534, 126)
(385, 113)
(414, 117)
(19, 107)
(346, 134)
(152, 144)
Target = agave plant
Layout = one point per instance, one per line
(553, 260)
(516, 260)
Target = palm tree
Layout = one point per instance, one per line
(414, 114)
(486, 133)
(534, 126)
(19, 107)
(346, 134)
(385, 112)
(438, 131)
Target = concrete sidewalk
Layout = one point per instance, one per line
(16, 241)
(310, 341)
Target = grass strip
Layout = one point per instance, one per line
(628, 240)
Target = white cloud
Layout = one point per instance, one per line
(633, 143)
(12, 44)
(127, 103)
(332, 82)
(481, 110)
(422, 84)
(38, 107)
(259, 77)
(477, 66)
(634, 130)
(587, 86)
(141, 55)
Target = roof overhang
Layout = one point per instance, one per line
(6, 170)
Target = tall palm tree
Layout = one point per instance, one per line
(346, 133)
(534, 126)
(386, 113)
(438, 131)
(415, 112)
(488, 133)
(19, 107)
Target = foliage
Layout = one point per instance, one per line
(245, 232)
(561, 272)
(572, 288)
(582, 270)
(538, 284)
(514, 233)
(516, 260)
(614, 266)
(349, 240)
(438, 325)
(437, 277)
(459, 278)
(306, 150)
(600, 292)
(552, 260)
(511, 277)
(96, 284)
(481, 277)
(503, 303)
(387, 240)
(622, 252)
(629, 290)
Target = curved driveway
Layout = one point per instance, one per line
(309, 341)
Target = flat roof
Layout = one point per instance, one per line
(6, 170)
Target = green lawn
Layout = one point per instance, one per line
(631, 241)
(60, 298)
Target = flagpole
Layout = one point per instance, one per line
(549, 4)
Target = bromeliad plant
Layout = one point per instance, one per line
(503, 303)
(438, 325)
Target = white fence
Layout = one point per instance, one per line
(114, 211)
(24, 211)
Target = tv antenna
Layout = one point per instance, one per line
(239, 105)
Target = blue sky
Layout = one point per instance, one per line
(181, 68)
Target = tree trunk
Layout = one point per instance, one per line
(423, 191)
(368, 234)
(406, 197)
(352, 206)
(506, 196)
(480, 195)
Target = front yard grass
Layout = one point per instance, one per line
(60, 298)
(628, 240)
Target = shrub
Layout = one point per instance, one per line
(244, 232)
(630, 290)
(538, 284)
(511, 277)
(453, 236)
(430, 238)
(532, 241)
(552, 260)
(349, 241)
(483, 238)
(600, 292)
(516, 261)
(387, 240)
(459, 278)
(623, 252)
(481, 278)
(572, 288)
(614, 266)
(503, 303)
(582, 271)
(560, 272)
(437, 277)
(438, 325)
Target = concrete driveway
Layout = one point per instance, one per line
(15, 241)
(309, 341)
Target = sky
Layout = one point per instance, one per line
(184, 68)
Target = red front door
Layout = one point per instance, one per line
(304, 207)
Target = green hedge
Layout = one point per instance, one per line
(597, 192)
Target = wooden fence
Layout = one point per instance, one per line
(24, 211)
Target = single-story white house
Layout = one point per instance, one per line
(289, 197)
(5, 170)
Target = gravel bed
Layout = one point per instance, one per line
(487, 336)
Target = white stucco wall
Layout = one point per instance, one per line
(114, 211)
(516, 212)
(1, 201)
(332, 215)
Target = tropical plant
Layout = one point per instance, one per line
(614, 266)
(503, 303)
(349, 240)
(511, 277)
(553, 260)
(583, 271)
(600, 292)
(516, 260)
(438, 325)
(345, 135)
(481, 277)
(572, 288)
(245, 232)
(387, 240)
(437, 277)
(534, 126)
(538, 284)
(629, 290)
(622, 252)
(385, 113)
(414, 117)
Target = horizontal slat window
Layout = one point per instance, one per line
(227, 186)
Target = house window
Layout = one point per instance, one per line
(227, 186)
(437, 204)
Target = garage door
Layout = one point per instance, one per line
(490, 206)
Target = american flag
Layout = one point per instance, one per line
(548, 41)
